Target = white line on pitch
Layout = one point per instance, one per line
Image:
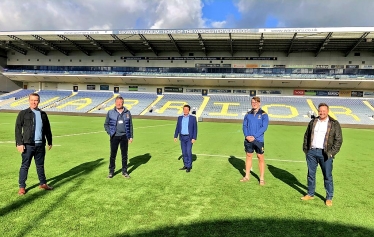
(88, 133)
(13, 143)
(77, 134)
(296, 161)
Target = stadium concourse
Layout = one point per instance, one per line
(216, 71)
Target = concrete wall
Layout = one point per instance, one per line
(6, 85)
(103, 59)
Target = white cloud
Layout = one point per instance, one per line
(98, 14)
(178, 14)
(218, 24)
(161, 14)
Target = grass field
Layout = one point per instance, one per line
(160, 200)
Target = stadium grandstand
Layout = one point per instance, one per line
(216, 71)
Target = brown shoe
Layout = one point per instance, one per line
(22, 191)
(45, 187)
(329, 203)
(307, 198)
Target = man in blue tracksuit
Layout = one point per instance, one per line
(118, 125)
(255, 123)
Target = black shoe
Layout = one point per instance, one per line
(126, 175)
(110, 176)
(188, 170)
(183, 168)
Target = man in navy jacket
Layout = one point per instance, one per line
(118, 125)
(187, 130)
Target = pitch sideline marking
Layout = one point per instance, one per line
(88, 133)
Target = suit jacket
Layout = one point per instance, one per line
(192, 127)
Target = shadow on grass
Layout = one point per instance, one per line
(135, 162)
(194, 157)
(257, 227)
(290, 180)
(239, 164)
(66, 177)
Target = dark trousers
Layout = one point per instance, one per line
(313, 158)
(186, 146)
(123, 142)
(38, 152)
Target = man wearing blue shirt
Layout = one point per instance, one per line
(255, 124)
(186, 129)
(32, 132)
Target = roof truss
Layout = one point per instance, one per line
(75, 44)
(231, 47)
(44, 52)
(363, 36)
(50, 44)
(175, 44)
(260, 44)
(289, 49)
(123, 44)
(325, 42)
(201, 42)
(99, 46)
(146, 43)
(14, 47)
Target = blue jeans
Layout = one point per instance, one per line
(38, 152)
(313, 158)
(186, 146)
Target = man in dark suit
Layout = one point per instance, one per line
(187, 130)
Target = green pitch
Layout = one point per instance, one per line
(160, 200)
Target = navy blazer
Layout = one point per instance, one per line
(192, 127)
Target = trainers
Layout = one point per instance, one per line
(328, 203)
(110, 176)
(307, 198)
(45, 187)
(126, 175)
(21, 191)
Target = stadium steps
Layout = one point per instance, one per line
(159, 97)
(99, 107)
(10, 93)
(7, 101)
(53, 104)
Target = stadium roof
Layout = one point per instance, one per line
(182, 41)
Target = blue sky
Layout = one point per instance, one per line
(182, 14)
(220, 10)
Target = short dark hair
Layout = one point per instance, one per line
(189, 107)
(323, 104)
(119, 98)
(35, 94)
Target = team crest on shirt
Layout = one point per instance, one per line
(259, 116)
(127, 116)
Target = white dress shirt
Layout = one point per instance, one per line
(319, 133)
